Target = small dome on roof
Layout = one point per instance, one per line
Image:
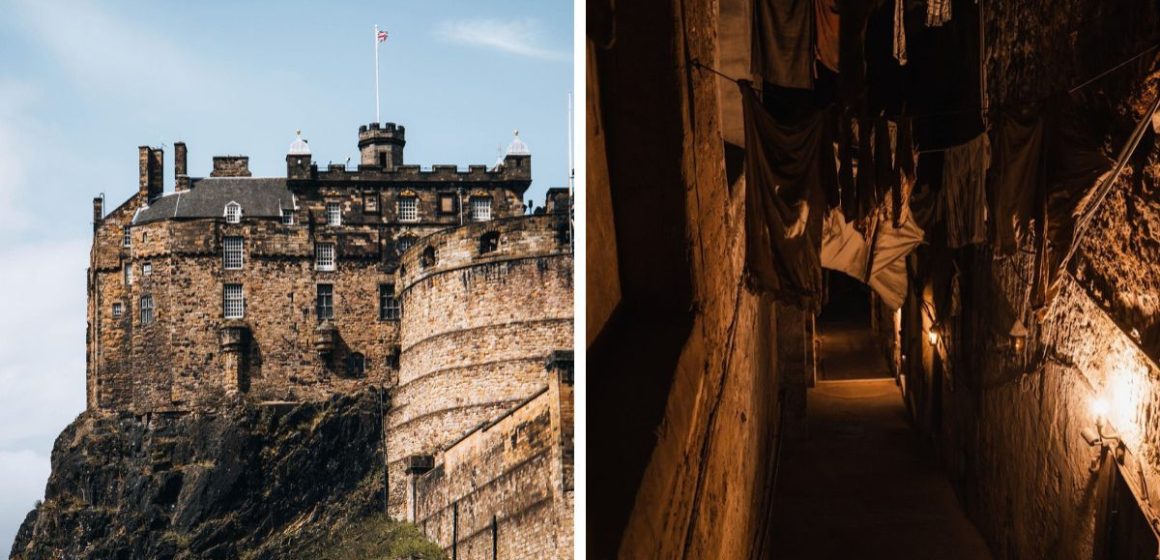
(299, 147)
(517, 147)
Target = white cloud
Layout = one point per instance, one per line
(522, 37)
(24, 474)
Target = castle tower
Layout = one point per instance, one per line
(381, 145)
(298, 159)
(485, 304)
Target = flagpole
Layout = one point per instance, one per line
(375, 38)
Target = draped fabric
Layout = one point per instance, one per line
(827, 22)
(938, 12)
(784, 202)
(964, 192)
(783, 42)
(884, 178)
(845, 249)
(904, 168)
(865, 186)
(1018, 160)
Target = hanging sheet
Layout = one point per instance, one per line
(783, 42)
(827, 22)
(784, 202)
(845, 249)
(964, 195)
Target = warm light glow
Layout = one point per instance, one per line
(1100, 408)
(932, 336)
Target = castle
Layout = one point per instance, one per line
(436, 285)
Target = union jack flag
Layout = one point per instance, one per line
(382, 36)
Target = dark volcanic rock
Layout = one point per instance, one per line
(251, 481)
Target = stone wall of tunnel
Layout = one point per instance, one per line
(1006, 421)
(685, 374)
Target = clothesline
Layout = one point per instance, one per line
(696, 63)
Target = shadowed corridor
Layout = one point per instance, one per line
(856, 483)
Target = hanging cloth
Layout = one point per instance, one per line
(784, 203)
(827, 22)
(904, 169)
(938, 12)
(846, 141)
(1018, 153)
(865, 187)
(964, 192)
(845, 249)
(782, 42)
(900, 32)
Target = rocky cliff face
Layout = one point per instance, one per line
(250, 481)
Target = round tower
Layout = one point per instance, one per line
(484, 305)
(381, 145)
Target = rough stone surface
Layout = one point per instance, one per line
(252, 481)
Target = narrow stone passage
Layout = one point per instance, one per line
(857, 485)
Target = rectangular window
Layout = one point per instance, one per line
(233, 302)
(324, 256)
(408, 209)
(388, 304)
(126, 237)
(480, 209)
(118, 310)
(287, 217)
(446, 204)
(233, 251)
(371, 202)
(406, 243)
(128, 272)
(334, 214)
(147, 269)
(146, 310)
(324, 303)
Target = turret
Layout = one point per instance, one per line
(381, 146)
(298, 159)
(517, 161)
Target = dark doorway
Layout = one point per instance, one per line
(846, 345)
(1129, 535)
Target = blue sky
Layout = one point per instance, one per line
(82, 84)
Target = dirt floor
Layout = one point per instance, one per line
(857, 485)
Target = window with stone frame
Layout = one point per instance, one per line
(405, 242)
(118, 310)
(146, 310)
(287, 217)
(371, 202)
(447, 204)
(233, 213)
(147, 269)
(127, 271)
(480, 209)
(389, 309)
(324, 257)
(233, 301)
(333, 214)
(126, 237)
(233, 252)
(408, 209)
(427, 259)
(324, 302)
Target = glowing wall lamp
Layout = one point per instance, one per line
(932, 335)
(1018, 336)
(1102, 435)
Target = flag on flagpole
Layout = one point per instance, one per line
(382, 35)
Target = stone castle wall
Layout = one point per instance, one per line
(476, 330)
(505, 490)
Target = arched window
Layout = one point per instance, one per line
(233, 212)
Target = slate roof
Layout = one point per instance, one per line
(207, 198)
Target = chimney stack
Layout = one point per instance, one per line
(98, 211)
(180, 171)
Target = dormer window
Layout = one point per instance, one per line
(334, 214)
(233, 213)
(287, 217)
(408, 209)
